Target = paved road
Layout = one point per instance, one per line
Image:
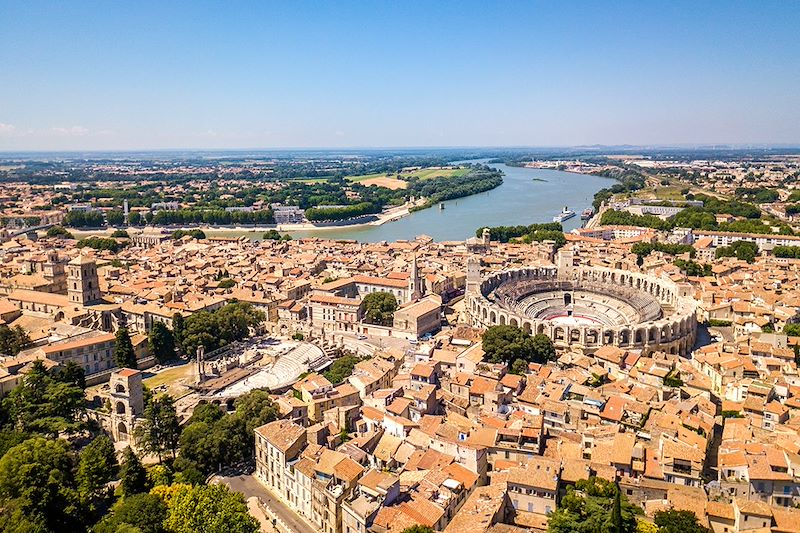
(250, 487)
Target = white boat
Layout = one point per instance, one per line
(565, 214)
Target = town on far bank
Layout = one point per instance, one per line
(638, 373)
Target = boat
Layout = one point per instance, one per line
(587, 213)
(565, 214)
(441, 205)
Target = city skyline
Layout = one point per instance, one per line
(93, 77)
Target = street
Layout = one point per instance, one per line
(250, 487)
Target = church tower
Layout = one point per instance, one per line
(53, 271)
(415, 282)
(82, 283)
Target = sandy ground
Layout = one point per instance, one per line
(389, 183)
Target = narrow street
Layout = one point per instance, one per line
(250, 487)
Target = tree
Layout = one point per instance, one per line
(675, 521)
(124, 355)
(13, 340)
(341, 369)
(41, 404)
(70, 372)
(160, 430)
(133, 476)
(143, 511)
(115, 218)
(211, 509)
(589, 507)
(161, 342)
(379, 308)
(178, 329)
(60, 232)
(417, 528)
(519, 366)
(213, 440)
(743, 250)
(205, 412)
(36, 476)
(214, 329)
(97, 465)
(504, 344)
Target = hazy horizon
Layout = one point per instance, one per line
(206, 76)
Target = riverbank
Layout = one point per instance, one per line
(519, 200)
(389, 215)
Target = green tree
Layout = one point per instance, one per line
(133, 476)
(159, 431)
(379, 308)
(143, 511)
(211, 509)
(41, 404)
(674, 521)
(508, 343)
(213, 440)
(519, 366)
(59, 231)
(70, 372)
(124, 355)
(161, 342)
(214, 329)
(417, 528)
(115, 218)
(36, 476)
(97, 465)
(178, 327)
(13, 340)
(743, 250)
(589, 508)
(255, 408)
(205, 412)
(341, 368)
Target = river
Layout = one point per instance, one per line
(521, 199)
(527, 195)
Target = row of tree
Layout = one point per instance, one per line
(507, 233)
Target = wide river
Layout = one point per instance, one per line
(527, 195)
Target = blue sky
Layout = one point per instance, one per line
(152, 75)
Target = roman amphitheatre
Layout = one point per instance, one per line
(584, 308)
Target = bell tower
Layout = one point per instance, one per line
(415, 282)
(82, 283)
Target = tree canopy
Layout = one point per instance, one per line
(13, 340)
(159, 431)
(211, 509)
(43, 404)
(36, 477)
(214, 329)
(124, 356)
(161, 342)
(505, 344)
(674, 521)
(593, 505)
(379, 308)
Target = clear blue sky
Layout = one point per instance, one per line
(235, 74)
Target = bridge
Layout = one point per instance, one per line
(23, 231)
